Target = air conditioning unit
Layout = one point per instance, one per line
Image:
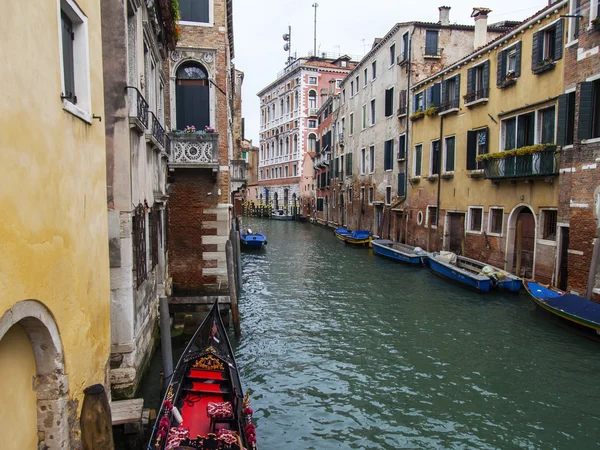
(400, 59)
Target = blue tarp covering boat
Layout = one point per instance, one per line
(472, 273)
(251, 240)
(399, 252)
(568, 306)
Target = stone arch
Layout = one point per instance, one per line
(511, 231)
(52, 385)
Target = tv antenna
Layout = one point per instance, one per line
(315, 5)
(287, 37)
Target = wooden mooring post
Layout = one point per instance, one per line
(231, 275)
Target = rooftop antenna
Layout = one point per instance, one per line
(315, 5)
(287, 37)
(364, 46)
(339, 49)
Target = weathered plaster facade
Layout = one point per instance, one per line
(134, 48)
(55, 302)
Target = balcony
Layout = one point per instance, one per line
(321, 160)
(527, 162)
(312, 112)
(449, 106)
(138, 109)
(156, 135)
(194, 151)
(476, 97)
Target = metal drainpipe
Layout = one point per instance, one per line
(408, 139)
(437, 210)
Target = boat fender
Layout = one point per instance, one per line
(494, 280)
(265, 242)
(177, 415)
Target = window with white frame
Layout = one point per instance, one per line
(312, 99)
(366, 73)
(371, 159)
(295, 170)
(496, 221)
(357, 84)
(434, 159)
(431, 216)
(338, 83)
(362, 194)
(418, 159)
(373, 70)
(548, 221)
(475, 219)
(371, 195)
(74, 61)
(546, 125)
(449, 153)
(195, 11)
(352, 89)
(392, 54)
(312, 142)
(312, 80)
(518, 131)
(363, 161)
(405, 47)
(419, 101)
(351, 124)
(364, 117)
(312, 123)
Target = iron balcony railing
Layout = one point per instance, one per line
(477, 95)
(446, 106)
(539, 164)
(158, 132)
(138, 107)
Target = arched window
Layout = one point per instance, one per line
(192, 94)
(287, 145)
(272, 150)
(312, 99)
(281, 107)
(280, 147)
(295, 143)
(288, 104)
(296, 103)
(312, 142)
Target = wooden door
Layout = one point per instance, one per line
(457, 232)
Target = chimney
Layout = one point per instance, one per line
(444, 15)
(480, 15)
(332, 86)
(324, 95)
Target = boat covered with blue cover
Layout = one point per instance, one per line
(570, 307)
(251, 240)
(355, 237)
(399, 252)
(473, 273)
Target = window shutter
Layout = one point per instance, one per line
(429, 96)
(471, 150)
(349, 161)
(318, 146)
(68, 64)
(457, 90)
(200, 11)
(415, 103)
(401, 184)
(389, 102)
(518, 60)
(444, 91)
(560, 39)
(337, 167)
(402, 147)
(386, 155)
(535, 49)
(586, 110)
(402, 100)
(563, 109)
(470, 80)
(501, 74)
(437, 92)
(486, 77)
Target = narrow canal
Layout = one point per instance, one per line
(345, 350)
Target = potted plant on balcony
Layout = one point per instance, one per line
(431, 111)
(545, 64)
(189, 129)
(417, 115)
(209, 129)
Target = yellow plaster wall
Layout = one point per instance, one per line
(53, 223)
(17, 366)
(463, 191)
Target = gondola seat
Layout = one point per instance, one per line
(228, 436)
(219, 410)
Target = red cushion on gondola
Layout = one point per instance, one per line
(219, 410)
(176, 435)
(227, 436)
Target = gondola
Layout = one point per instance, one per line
(399, 252)
(254, 241)
(472, 273)
(570, 307)
(204, 406)
(356, 237)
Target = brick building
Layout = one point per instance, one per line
(579, 135)
(375, 105)
(200, 93)
(288, 124)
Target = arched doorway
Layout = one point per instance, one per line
(520, 245)
(192, 95)
(31, 356)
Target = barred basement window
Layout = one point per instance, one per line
(475, 219)
(549, 219)
(139, 245)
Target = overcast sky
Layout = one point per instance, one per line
(343, 26)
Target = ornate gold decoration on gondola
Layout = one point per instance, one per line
(208, 362)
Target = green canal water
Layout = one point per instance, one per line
(345, 350)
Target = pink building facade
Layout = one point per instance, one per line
(289, 126)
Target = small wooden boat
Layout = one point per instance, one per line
(279, 214)
(204, 407)
(571, 307)
(254, 241)
(399, 252)
(472, 273)
(356, 237)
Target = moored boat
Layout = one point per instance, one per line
(251, 240)
(279, 214)
(473, 273)
(399, 252)
(355, 237)
(569, 307)
(204, 407)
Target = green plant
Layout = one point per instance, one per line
(528, 150)
(417, 114)
(431, 111)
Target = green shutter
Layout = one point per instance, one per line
(457, 91)
(563, 114)
(470, 81)
(586, 110)
(536, 56)
(518, 60)
(500, 73)
(560, 39)
(471, 150)
(401, 184)
(486, 78)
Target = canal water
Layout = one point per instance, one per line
(345, 350)
(342, 349)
